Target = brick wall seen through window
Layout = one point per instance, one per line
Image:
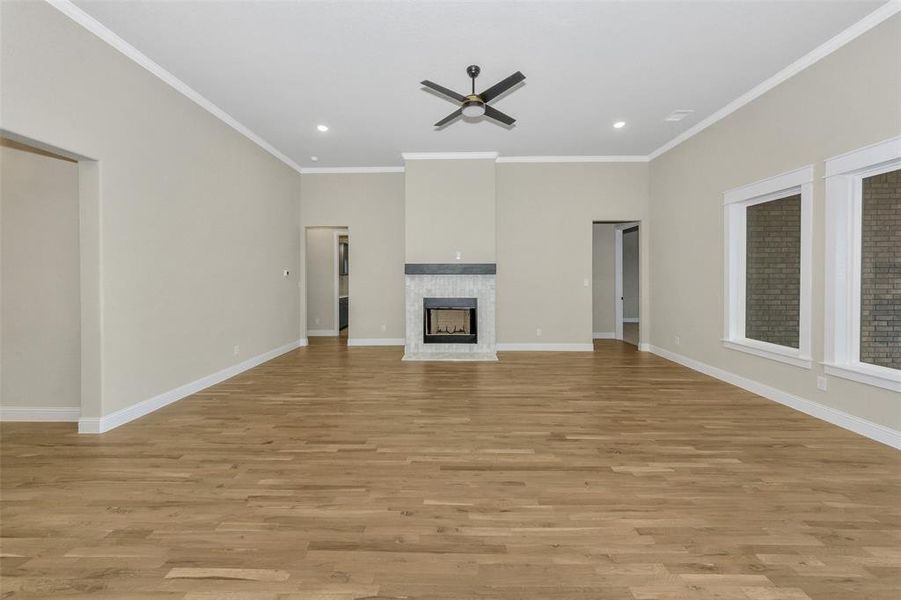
(773, 271)
(880, 273)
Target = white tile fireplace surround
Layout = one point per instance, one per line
(456, 280)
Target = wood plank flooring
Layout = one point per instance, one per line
(334, 473)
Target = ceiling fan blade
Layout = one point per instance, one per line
(443, 90)
(449, 117)
(502, 86)
(498, 116)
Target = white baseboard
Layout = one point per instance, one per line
(630, 319)
(604, 335)
(517, 347)
(46, 414)
(303, 342)
(322, 333)
(375, 341)
(130, 413)
(644, 347)
(874, 431)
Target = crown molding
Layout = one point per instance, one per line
(477, 156)
(870, 21)
(626, 158)
(101, 31)
(449, 155)
(327, 170)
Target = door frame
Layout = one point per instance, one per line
(339, 232)
(337, 252)
(618, 277)
(91, 408)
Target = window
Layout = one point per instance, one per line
(863, 265)
(773, 271)
(880, 271)
(768, 228)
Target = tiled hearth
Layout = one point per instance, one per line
(450, 281)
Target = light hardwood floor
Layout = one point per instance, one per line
(338, 473)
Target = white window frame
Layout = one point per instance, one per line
(844, 204)
(735, 205)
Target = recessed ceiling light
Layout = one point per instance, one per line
(314, 158)
(619, 124)
(322, 128)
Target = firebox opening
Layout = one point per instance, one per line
(450, 320)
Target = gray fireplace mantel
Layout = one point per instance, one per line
(450, 268)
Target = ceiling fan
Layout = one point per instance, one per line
(476, 105)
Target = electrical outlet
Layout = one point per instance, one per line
(459, 255)
(237, 349)
(676, 340)
(538, 332)
(384, 327)
(585, 282)
(821, 383)
(286, 272)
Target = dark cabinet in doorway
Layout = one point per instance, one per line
(342, 312)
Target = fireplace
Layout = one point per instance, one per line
(449, 310)
(450, 320)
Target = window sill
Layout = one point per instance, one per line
(883, 377)
(781, 354)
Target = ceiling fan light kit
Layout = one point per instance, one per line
(473, 107)
(476, 105)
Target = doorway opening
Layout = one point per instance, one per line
(615, 281)
(327, 275)
(50, 350)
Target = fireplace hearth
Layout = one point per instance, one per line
(450, 320)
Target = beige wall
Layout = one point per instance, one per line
(544, 244)
(450, 208)
(196, 222)
(371, 206)
(603, 278)
(319, 263)
(544, 214)
(631, 277)
(41, 316)
(848, 100)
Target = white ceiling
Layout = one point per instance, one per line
(281, 68)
